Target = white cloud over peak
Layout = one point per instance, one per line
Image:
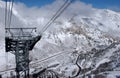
(39, 16)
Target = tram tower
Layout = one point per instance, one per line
(20, 41)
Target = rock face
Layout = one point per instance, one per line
(95, 39)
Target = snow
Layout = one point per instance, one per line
(105, 60)
(86, 33)
(113, 74)
(53, 64)
(69, 69)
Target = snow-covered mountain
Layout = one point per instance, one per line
(95, 39)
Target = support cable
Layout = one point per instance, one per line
(47, 58)
(11, 7)
(57, 14)
(6, 54)
(5, 13)
(8, 15)
(44, 59)
(8, 12)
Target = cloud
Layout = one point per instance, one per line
(49, 10)
(39, 16)
(80, 8)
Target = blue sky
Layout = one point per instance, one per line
(37, 3)
(102, 3)
(110, 4)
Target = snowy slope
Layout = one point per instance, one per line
(95, 38)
